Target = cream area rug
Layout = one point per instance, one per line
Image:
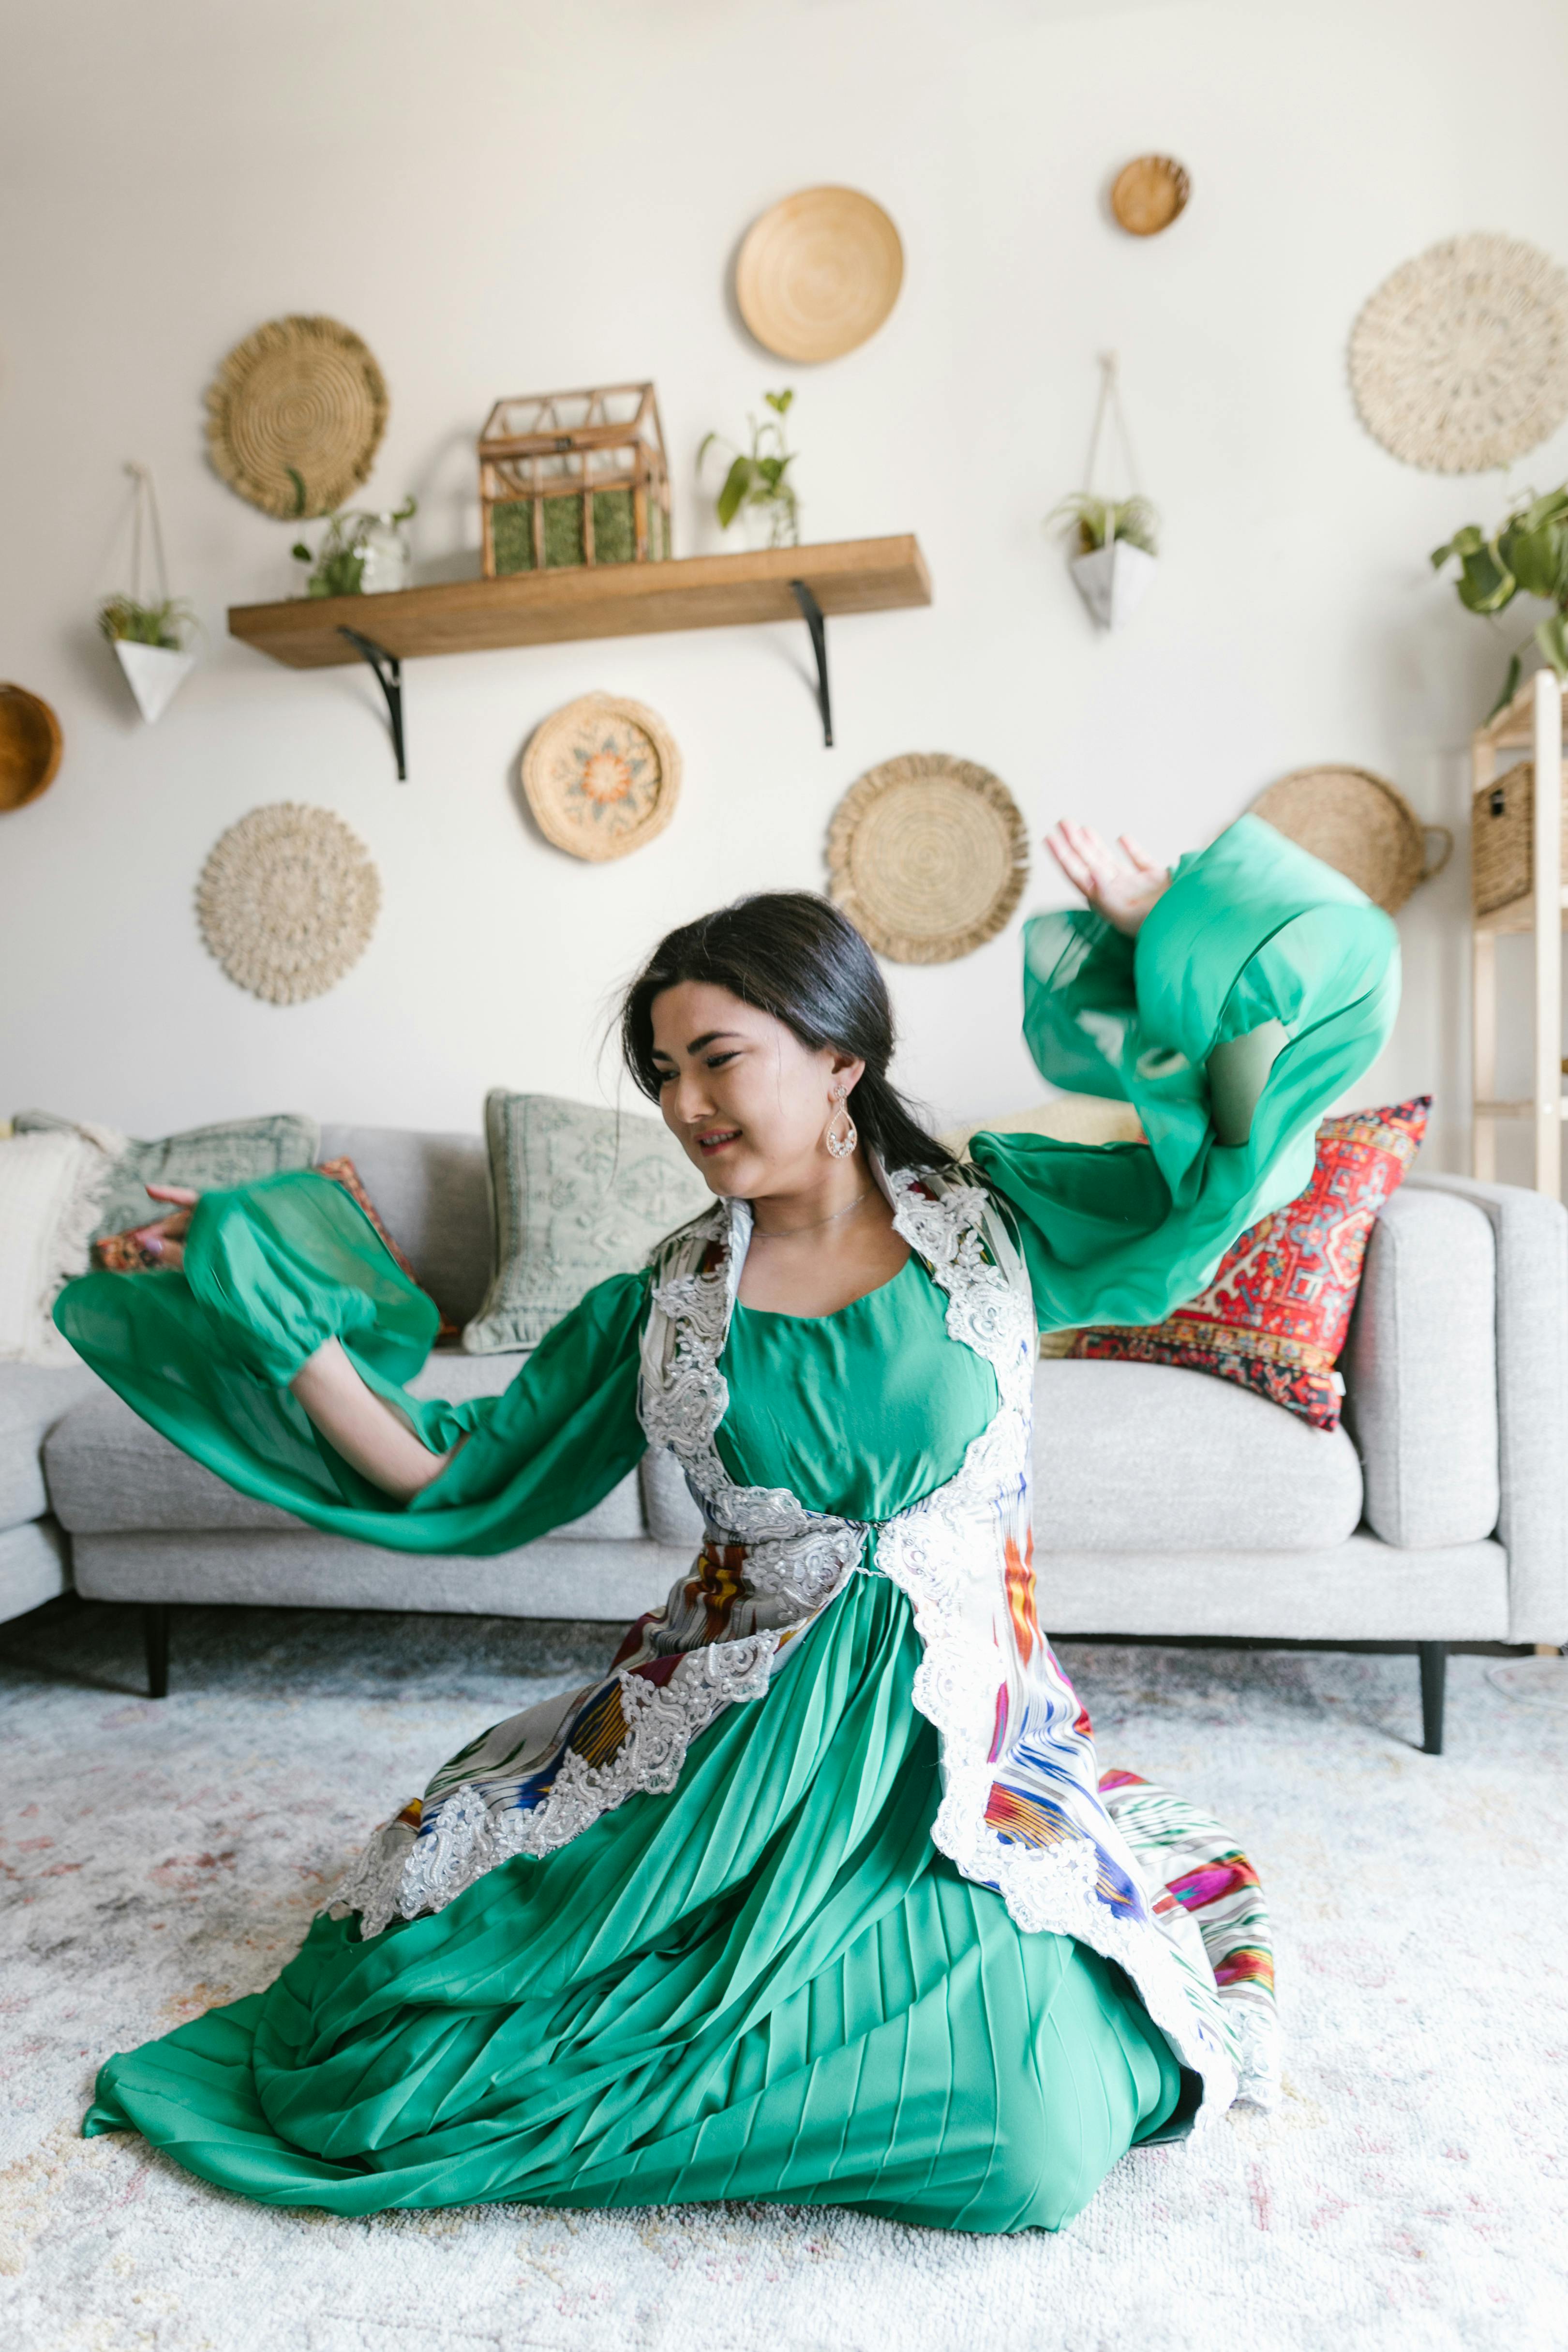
(1411, 2192)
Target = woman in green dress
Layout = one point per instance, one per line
(819, 1894)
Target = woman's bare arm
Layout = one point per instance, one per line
(364, 1430)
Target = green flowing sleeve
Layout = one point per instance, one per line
(275, 1269)
(1260, 987)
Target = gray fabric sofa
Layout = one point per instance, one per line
(1166, 1503)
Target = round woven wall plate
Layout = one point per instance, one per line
(1459, 361)
(928, 856)
(304, 393)
(287, 900)
(819, 274)
(30, 745)
(1361, 825)
(1149, 193)
(602, 776)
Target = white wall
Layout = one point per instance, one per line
(505, 195)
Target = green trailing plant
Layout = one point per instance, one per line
(338, 564)
(1099, 521)
(164, 624)
(758, 477)
(1528, 555)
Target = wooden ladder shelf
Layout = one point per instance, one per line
(1532, 723)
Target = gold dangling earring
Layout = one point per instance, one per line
(841, 1146)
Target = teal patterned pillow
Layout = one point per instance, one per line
(578, 1194)
(208, 1159)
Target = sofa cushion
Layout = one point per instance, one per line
(34, 1567)
(672, 1517)
(1421, 1373)
(1275, 1315)
(235, 1151)
(33, 1397)
(580, 1192)
(434, 1190)
(1145, 1457)
(109, 1472)
(302, 1569)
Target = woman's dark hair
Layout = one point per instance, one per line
(793, 955)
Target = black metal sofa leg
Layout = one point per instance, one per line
(155, 1633)
(1434, 1673)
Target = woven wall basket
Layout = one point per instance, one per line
(1459, 361)
(300, 392)
(1358, 824)
(819, 274)
(30, 745)
(602, 776)
(928, 856)
(287, 901)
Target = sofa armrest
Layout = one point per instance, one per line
(1530, 1234)
(1420, 1366)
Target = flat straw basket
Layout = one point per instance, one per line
(1502, 816)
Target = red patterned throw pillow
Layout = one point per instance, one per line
(1276, 1315)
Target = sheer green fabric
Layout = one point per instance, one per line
(276, 1269)
(1252, 930)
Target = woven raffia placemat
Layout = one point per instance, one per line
(287, 900)
(928, 856)
(300, 392)
(1459, 361)
(602, 776)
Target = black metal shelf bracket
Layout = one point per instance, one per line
(388, 669)
(811, 613)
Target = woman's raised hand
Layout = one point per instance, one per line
(165, 1238)
(1121, 888)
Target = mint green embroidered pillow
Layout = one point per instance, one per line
(577, 1194)
(208, 1159)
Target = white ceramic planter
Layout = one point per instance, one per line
(1114, 581)
(155, 674)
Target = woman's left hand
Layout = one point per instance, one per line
(1121, 889)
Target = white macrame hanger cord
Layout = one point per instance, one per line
(145, 504)
(1109, 411)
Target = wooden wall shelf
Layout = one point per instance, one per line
(531, 608)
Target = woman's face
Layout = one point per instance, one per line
(750, 1104)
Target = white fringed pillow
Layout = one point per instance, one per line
(51, 1189)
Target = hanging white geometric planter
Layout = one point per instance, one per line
(155, 674)
(148, 628)
(1115, 538)
(1114, 581)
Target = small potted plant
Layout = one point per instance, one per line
(1527, 555)
(1116, 550)
(150, 635)
(359, 554)
(756, 488)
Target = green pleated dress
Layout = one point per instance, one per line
(766, 1983)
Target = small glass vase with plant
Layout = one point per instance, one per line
(360, 553)
(756, 487)
(1528, 555)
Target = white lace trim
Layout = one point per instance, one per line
(923, 1550)
(401, 1874)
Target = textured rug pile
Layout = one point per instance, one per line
(1411, 2191)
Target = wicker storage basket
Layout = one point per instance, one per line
(1502, 816)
